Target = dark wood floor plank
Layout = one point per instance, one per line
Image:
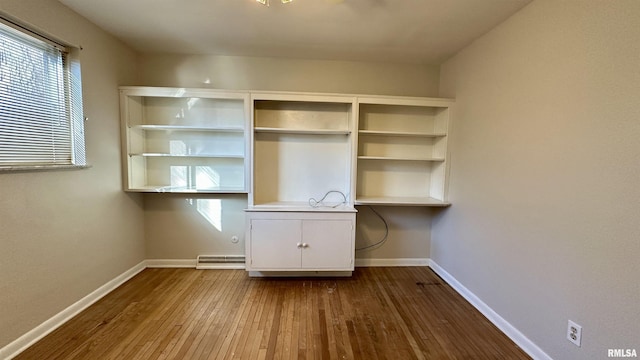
(378, 313)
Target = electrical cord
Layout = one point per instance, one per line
(320, 203)
(386, 232)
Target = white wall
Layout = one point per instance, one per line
(66, 233)
(174, 227)
(545, 174)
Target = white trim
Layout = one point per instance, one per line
(364, 262)
(171, 263)
(189, 263)
(514, 334)
(23, 342)
(221, 266)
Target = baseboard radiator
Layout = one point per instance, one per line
(220, 262)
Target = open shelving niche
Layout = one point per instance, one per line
(402, 151)
(185, 140)
(303, 149)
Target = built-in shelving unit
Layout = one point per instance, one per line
(402, 151)
(184, 140)
(302, 149)
(304, 160)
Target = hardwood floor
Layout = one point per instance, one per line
(379, 313)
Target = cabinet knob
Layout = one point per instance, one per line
(305, 245)
(299, 245)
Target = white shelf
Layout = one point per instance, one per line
(298, 206)
(397, 158)
(186, 128)
(301, 131)
(405, 101)
(212, 156)
(183, 189)
(401, 201)
(400, 133)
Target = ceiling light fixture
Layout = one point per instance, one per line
(266, 2)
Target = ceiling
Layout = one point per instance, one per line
(399, 31)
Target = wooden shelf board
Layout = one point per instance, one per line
(400, 133)
(188, 128)
(393, 158)
(400, 201)
(301, 131)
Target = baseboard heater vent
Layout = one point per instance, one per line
(220, 262)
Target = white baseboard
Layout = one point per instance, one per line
(20, 344)
(171, 263)
(392, 262)
(192, 264)
(514, 334)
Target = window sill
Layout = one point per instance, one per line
(25, 168)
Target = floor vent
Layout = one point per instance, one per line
(220, 262)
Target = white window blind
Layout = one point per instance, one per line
(41, 121)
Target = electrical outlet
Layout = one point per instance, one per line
(574, 333)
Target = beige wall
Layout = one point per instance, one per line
(545, 174)
(66, 233)
(255, 73)
(178, 227)
(174, 227)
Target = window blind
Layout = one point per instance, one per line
(41, 121)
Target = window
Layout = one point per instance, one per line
(41, 120)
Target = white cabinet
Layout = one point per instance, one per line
(184, 140)
(402, 151)
(300, 241)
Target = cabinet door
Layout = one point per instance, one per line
(274, 244)
(328, 244)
